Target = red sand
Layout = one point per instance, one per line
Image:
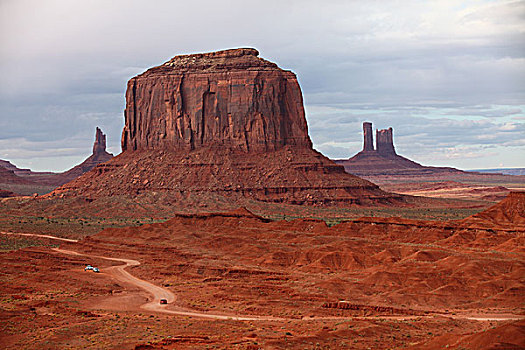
(403, 282)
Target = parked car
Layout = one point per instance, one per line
(163, 301)
(89, 267)
(95, 269)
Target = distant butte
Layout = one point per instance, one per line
(29, 181)
(383, 159)
(383, 166)
(227, 124)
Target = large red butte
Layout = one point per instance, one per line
(224, 124)
(229, 98)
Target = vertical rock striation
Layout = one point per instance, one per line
(229, 98)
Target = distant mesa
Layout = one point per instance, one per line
(383, 166)
(9, 175)
(504, 171)
(383, 159)
(216, 125)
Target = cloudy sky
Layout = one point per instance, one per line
(447, 75)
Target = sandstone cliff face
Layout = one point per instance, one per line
(229, 98)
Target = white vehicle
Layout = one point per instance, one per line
(95, 269)
(87, 268)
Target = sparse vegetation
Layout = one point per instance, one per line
(12, 242)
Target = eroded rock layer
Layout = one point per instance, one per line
(288, 175)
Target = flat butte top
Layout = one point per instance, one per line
(218, 61)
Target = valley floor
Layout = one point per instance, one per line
(237, 280)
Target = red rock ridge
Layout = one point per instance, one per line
(509, 214)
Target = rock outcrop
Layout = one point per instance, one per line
(229, 98)
(99, 147)
(224, 125)
(395, 173)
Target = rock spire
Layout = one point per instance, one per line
(99, 147)
(368, 142)
(384, 159)
(385, 142)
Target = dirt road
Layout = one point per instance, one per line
(120, 274)
(40, 236)
(158, 293)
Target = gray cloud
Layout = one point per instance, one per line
(426, 68)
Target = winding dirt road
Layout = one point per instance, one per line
(120, 274)
(40, 236)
